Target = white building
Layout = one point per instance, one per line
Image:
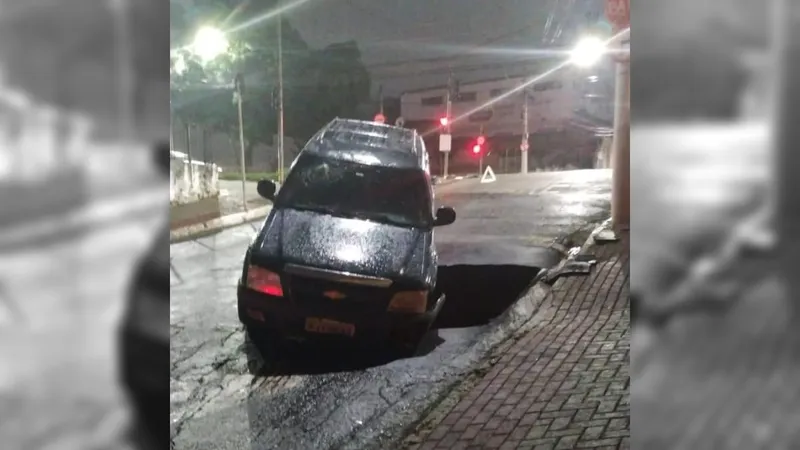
(551, 102)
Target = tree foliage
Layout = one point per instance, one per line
(318, 84)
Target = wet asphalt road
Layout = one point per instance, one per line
(355, 400)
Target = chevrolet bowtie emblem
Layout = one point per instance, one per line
(334, 295)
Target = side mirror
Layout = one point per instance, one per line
(267, 189)
(444, 216)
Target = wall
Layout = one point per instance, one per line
(224, 150)
(192, 182)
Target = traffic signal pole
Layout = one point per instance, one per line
(481, 147)
(524, 145)
(380, 99)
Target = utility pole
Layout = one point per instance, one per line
(280, 96)
(524, 144)
(448, 112)
(188, 133)
(239, 82)
(171, 128)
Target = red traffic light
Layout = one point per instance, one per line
(476, 149)
(443, 121)
(481, 140)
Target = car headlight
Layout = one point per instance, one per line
(409, 302)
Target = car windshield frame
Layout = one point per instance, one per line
(312, 181)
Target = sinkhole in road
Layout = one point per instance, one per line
(476, 294)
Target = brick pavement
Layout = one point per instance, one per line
(564, 383)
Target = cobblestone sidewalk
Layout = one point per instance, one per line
(563, 385)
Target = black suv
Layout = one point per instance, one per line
(348, 248)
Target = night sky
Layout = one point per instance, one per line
(402, 30)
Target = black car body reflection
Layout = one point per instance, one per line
(348, 248)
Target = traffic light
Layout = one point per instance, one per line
(480, 144)
(443, 121)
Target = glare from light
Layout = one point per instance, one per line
(209, 42)
(528, 82)
(180, 65)
(350, 253)
(588, 51)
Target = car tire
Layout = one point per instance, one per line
(262, 350)
(407, 341)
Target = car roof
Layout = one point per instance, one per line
(368, 143)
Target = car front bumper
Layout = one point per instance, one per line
(286, 317)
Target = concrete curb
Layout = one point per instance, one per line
(518, 315)
(606, 225)
(525, 308)
(218, 224)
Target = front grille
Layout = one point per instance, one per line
(311, 292)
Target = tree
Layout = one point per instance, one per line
(333, 82)
(202, 91)
(318, 84)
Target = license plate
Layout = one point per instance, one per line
(327, 326)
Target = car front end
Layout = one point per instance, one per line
(304, 303)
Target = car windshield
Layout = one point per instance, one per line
(396, 196)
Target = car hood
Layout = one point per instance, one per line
(343, 244)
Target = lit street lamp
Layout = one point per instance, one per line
(588, 51)
(209, 42)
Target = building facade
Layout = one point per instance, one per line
(496, 106)
(558, 135)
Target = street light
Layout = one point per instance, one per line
(209, 42)
(588, 51)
